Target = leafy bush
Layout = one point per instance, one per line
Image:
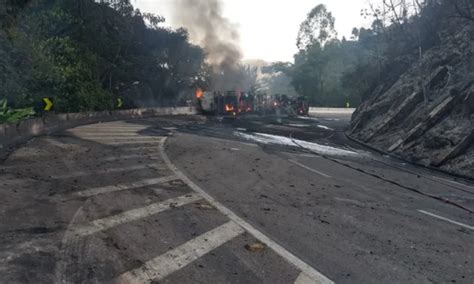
(8, 115)
(85, 54)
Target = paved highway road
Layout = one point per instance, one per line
(214, 200)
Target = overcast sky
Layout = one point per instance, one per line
(268, 28)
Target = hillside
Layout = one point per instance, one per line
(435, 131)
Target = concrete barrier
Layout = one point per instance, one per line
(13, 134)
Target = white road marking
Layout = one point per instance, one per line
(154, 166)
(58, 144)
(325, 127)
(133, 215)
(453, 182)
(298, 125)
(136, 138)
(291, 258)
(309, 169)
(233, 141)
(174, 260)
(104, 133)
(132, 142)
(143, 148)
(446, 219)
(120, 187)
(127, 157)
(106, 130)
(350, 201)
(304, 279)
(111, 127)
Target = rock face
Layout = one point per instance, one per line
(434, 127)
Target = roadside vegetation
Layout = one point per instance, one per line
(333, 72)
(8, 115)
(86, 54)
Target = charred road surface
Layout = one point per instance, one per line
(219, 200)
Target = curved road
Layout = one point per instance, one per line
(212, 200)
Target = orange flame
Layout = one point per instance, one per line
(199, 93)
(229, 108)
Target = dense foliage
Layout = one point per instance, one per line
(86, 54)
(333, 72)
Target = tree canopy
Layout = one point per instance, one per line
(333, 72)
(85, 54)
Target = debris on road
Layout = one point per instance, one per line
(205, 206)
(256, 247)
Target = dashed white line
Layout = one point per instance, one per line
(288, 256)
(173, 260)
(120, 187)
(446, 219)
(110, 171)
(309, 169)
(325, 127)
(133, 215)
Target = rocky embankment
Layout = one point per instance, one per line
(434, 127)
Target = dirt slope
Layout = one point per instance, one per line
(437, 131)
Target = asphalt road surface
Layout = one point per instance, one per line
(221, 200)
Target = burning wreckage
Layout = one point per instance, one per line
(233, 103)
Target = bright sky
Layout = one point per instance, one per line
(268, 28)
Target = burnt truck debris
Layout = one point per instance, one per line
(234, 103)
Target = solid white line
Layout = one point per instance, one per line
(304, 279)
(446, 219)
(174, 260)
(110, 171)
(133, 215)
(309, 169)
(120, 187)
(291, 258)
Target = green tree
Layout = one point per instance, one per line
(86, 54)
(318, 28)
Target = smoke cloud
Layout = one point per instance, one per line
(218, 37)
